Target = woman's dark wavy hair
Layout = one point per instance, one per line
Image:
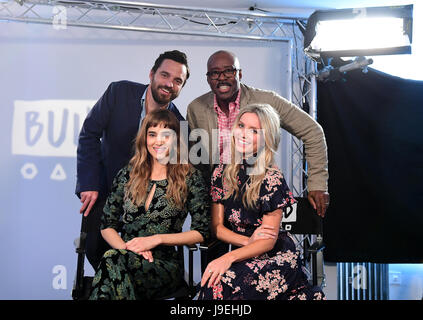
(142, 163)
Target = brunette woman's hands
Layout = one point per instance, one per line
(147, 255)
(143, 246)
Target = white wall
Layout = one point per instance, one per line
(40, 217)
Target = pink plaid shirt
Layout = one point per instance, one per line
(224, 125)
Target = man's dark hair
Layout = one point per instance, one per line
(174, 55)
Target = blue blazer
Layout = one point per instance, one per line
(115, 120)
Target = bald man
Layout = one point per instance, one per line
(218, 108)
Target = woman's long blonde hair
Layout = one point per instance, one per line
(269, 138)
(141, 163)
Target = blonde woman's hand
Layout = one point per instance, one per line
(262, 233)
(215, 270)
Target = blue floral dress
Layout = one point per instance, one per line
(274, 275)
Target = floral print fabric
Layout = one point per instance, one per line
(274, 275)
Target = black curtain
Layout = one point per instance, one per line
(373, 124)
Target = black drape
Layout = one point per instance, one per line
(373, 124)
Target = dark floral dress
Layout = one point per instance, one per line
(274, 275)
(123, 274)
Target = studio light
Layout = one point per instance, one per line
(359, 32)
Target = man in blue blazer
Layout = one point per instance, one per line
(107, 136)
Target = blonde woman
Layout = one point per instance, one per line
(150, 198)
(248, 196)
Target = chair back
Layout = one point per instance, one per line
(301, 218)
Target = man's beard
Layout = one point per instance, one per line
(162, 100)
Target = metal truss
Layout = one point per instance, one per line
(147, 17)
(304, 92)
(303, 95)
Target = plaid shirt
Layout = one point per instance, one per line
(224, 125)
